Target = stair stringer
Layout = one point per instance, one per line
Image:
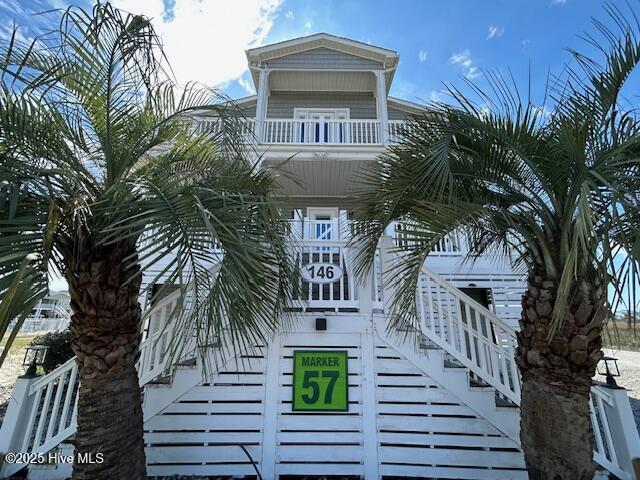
(455, 380)
(157, 397)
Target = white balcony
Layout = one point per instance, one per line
(305, 132)
(298, 132)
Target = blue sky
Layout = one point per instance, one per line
(438, 42)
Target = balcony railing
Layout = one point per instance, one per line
(343, 132)
(291, 131)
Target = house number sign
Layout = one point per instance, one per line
(321, 272)
(320, 381)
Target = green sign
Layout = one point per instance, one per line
(320, 381)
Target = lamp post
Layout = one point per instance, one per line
(610, 371)
(34, 356)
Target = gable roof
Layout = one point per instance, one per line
(388, 58)
(258, 57)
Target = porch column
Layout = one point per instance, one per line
(381, 106)
(261, 107)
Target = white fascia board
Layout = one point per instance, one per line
(238, 101)
(388, 58)
(406, 105)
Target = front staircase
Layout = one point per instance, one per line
(468, 339)
(463, 357)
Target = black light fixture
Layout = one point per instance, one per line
(321, 324)
(34, 356)
(610, 370)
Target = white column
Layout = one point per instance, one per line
(261, 107)
(381, 105)
(369, 405)
(270, 414)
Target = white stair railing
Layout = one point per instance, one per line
(342, 293)
(604, 451)
(52, 400)
(475, 336)
(485, 344)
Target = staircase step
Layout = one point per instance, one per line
(478, 383)
(189, 362)
(451, 362)
(504, 402)
(427, 344)
(161, 380)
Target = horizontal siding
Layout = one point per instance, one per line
(324, 58)
(361, 105)
(395, 114)
(248, 111)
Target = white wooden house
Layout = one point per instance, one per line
(52, 313)
(444, 408)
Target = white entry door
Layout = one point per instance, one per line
(322, 224)
(322, 125)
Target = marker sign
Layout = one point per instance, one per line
(320, 381)
(321, 272)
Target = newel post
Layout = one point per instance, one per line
(15, 421)
(623, 428)
(387, 260)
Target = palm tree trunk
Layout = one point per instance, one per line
(105, 327)
(556, 434)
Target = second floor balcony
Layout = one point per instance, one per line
(299, 132)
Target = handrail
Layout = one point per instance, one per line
(604, 451)
(299, 131)
(52, 413)
(485, 344)
(306, 131)
(476, 337)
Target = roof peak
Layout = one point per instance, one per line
(318, 36)
(256, 56)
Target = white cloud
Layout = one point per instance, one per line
(289, 15)
(495, 32)
(422, 56)
(558, 2)
(472, 73)
(247, 85)
(206, 39)
(308, 25)
(464, 60)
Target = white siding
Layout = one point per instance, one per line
(324, 58)
(421, 429)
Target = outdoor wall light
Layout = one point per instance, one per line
(34, 356)
(321, 324)
(609, 370)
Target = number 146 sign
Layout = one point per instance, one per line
(320, 381)
(321, 272)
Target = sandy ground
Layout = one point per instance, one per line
(629, 365)
(11, 368)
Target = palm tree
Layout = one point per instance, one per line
(95, 152)
(558, 192)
